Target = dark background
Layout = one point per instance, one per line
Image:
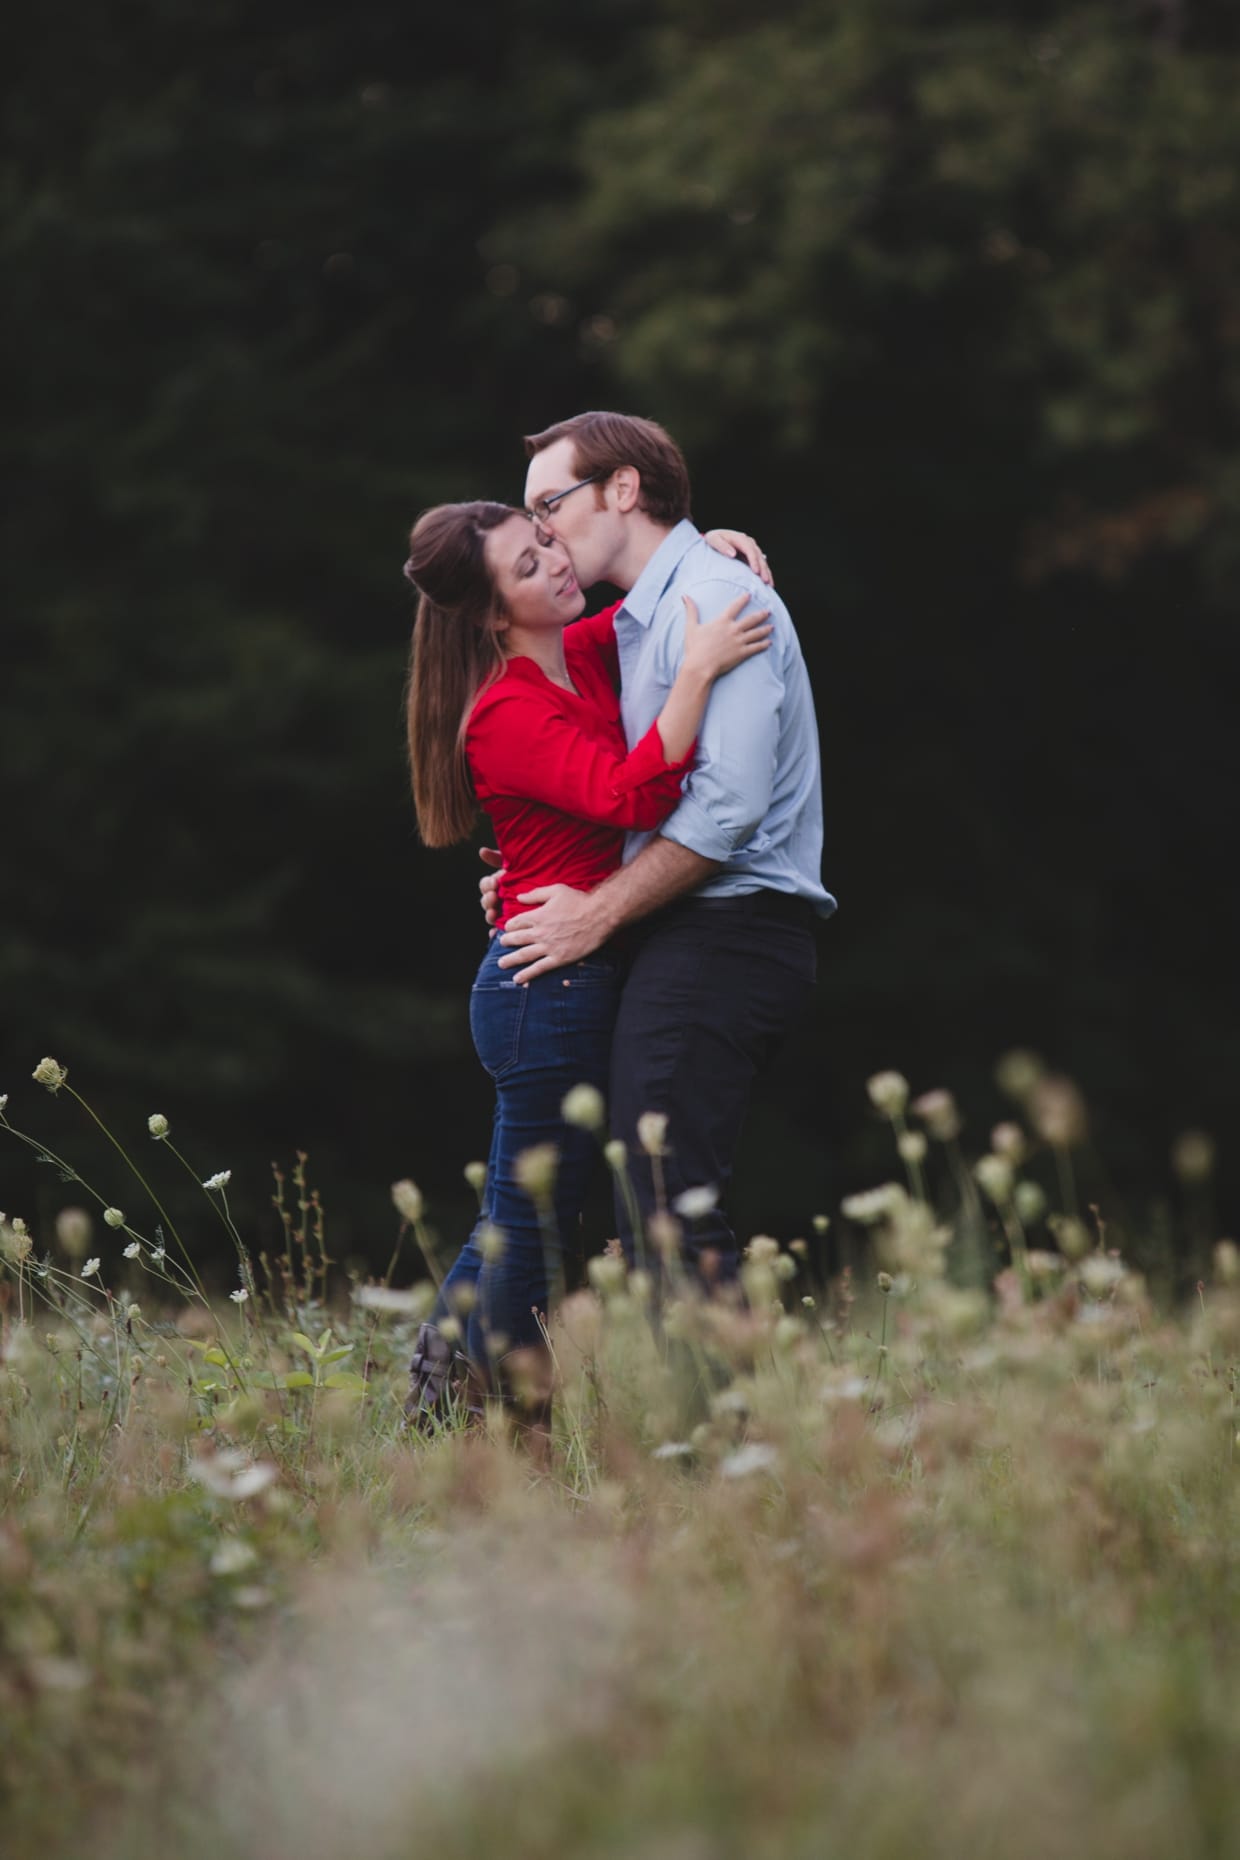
(943, 301)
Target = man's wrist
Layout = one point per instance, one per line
(605, 916)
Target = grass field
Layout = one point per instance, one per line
(932, 1560)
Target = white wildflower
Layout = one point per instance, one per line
(756, 1457)
(220, 1180)
(888, 1092)
(239, 1298)
(407, 1200)
(91, 1268)
(133, 1250)
(583, 1106)
(51, 1073)
(229, 1474)
(233, 1557)
(696, 1202)
(410, 1301)
(875, 1204)
(673, 1450)
(1100, 1274)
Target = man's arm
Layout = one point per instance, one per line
(569, 924)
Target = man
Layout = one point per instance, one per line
(719, 903)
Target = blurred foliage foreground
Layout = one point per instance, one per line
(924, 1560)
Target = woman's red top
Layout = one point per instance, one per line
(552, 770)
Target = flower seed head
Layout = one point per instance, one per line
(1018, 1072)
(1192, 1157)
(407, 1200)
(664, 1233)
(994, 1175)
(1057, 1111)
(112, 1217)
(912, 1146)
(51, 1073)
(937, 1111)
(888, 1092)
(695, 1202)
(1227, 1262)
(875, 1204)
(476, 1176)
(74, 1228)
(616, 1152)
(157, 1124)
(652, 1132)
(607, 1275)
(1030, 1202)
(583, 1106)
(885, 1283)
(491, 1243)
(1071, 1235)
(535, 1171)
(821, 1223)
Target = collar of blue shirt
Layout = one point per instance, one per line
(647, 591)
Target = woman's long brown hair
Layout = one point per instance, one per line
(456, 653)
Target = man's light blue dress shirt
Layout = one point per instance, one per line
(753, 800)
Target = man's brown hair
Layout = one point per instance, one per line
(603, 442)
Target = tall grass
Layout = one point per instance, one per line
(934, 1559)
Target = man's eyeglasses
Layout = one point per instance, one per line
(545, 505)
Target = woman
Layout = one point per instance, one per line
(513, 710)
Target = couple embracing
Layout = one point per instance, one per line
(651, 774)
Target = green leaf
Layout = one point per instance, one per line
(298, 1379)
(335, 1356)
(348, 1381)
(216, 1355)
(303, 1342)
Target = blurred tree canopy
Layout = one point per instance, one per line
(943, 300)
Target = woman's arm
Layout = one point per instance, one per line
(523, 743)
(710, 651)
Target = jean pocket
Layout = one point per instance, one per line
(496, 1017)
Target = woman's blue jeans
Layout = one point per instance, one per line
(537, 1041)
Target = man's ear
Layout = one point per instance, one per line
(628, 483)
